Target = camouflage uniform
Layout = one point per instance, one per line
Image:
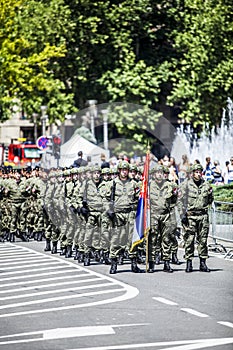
(91, 207)
(125, 193)
(163, 195)
(196, 196)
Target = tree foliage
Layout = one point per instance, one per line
(62, 53)
(31, 42)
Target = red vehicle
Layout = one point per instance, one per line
(22, 154)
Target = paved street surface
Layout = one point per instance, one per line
(49, 302)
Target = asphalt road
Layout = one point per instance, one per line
(49, 302)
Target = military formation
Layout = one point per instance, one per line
(88, 214)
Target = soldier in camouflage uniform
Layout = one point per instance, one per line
(163, 195)
(124, 200)
(52, 231)
(91, 207)
(14, 191)
(105, 235)
(196, 196)
(5, 209)
(80, 219)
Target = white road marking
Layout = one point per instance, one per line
(164, 301)
(70, 289)
(126, 291)
(13, 290)
(16, 255)
(61, 333)
(46, 262)
(194, 312)
(34, 270)
(131, 292)
(185, 345)
(39, 274)
(24, 261)
(224, 323)
(65, 297)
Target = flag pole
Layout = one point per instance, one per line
(148, 194)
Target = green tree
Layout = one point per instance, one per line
(32, 39)
(201, 73)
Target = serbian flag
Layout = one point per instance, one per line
(142, 219)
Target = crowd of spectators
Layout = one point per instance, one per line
(212, 172)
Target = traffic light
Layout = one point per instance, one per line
(56, 141)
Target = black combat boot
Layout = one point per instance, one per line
(69, 251)
(121, 259)
(47, 245)
(151, 268)
(81, 258)
(167, 267)
(134, 266)
(189, 266)
(157, 258)
(77, 254)
(39, 236)
(106, 259)
(54, 248)
(175, 259)
(23, 236)
(87, 261)
(97, 256)
(113, 268)
(63, 251)
(203, 266)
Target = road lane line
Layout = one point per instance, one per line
(225, 323)
(46, 261)
(34, 270)
(130, 293)
(17, 255)
(164, 301)
(185, 345)
(35, 294)
(45, 280)
(65, 297)
(39, 274)
(194, 312)
(20, 262)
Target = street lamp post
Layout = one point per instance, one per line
(35, 116)
(43, 119)
(93, 114)
(105, 127)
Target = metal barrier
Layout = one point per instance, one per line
(221, 226)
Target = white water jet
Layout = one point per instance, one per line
(216, 143)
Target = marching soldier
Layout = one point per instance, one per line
(163, 195)
(196, 196)
(125, 192)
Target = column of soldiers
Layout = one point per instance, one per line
(88, 213)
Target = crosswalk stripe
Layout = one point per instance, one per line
(39, 287)
(65, 297)
(45, 280)
(34, 270)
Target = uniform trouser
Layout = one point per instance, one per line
(173, 225)
(106, 231)
(80, 232)
(160, 232)
(120, 235)
(71, 224)
(198, 228)
(92, 234)
(16, 217)
(51, 231)
(5, 215)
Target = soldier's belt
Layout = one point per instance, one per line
(124, 211)
(197, 212)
